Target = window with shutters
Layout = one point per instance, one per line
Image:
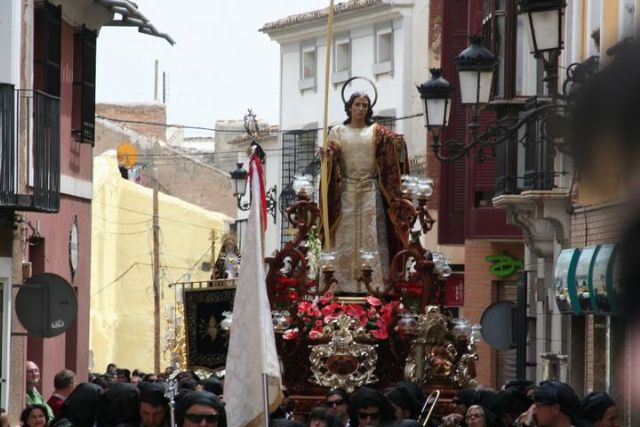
(298, 158)
(84, 86)
(452, 194)
(47, 49)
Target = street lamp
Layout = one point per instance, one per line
(545, 24)
(545, 35)
(239, 177)
(436, 103)
(476, 66)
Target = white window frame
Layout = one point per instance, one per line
(5, 331)
(308, 82)
(383, 65)
(626, 19)
(341, 74)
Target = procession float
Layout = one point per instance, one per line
(356, 298)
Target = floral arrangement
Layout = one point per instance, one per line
(289, 291)
(374, 316)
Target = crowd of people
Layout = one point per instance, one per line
(518, 403)
(123, 398)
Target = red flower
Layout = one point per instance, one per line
(354, 310)
(380, 334)
(291, 334)
(293, 296)
(318, 323)
(371, 300)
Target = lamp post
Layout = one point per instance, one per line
(239, 177)
(544, 18)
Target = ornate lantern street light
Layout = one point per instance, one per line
(476, 66)
(436, 102)
(239, 177)
(545, 35)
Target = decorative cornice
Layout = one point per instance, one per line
(319, 14)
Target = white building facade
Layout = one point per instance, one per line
(384, 41)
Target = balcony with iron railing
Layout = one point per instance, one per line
(39, 114)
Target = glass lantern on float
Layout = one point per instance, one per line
(303, 186)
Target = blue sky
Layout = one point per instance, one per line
(220, 65)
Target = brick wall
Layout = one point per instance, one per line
(480, 292)
(179, 176)
(151, 113)
(598, 224)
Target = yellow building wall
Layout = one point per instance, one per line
(121, 329)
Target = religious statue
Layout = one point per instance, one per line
(365, 162)
(228, 262)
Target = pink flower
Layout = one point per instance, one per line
(329, 309)
(304, 307)
(326, 299)
(314, 335)
(291, 334)
(318, 323)
(371, 300)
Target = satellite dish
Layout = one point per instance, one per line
(497, 325)
(127, 155)
(46, 305)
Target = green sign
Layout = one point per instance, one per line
(504, 265)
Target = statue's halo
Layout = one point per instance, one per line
(375, 90)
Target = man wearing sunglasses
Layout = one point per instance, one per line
(201, 409)
(337, 401)
(372, 408)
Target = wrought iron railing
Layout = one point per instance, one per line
(46, 152)
(39, 114)
(7, 145)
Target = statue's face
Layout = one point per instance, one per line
(359, 109)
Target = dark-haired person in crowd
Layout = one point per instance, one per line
(150, 378)
(154, 406)
(322, 417)
(64, 382)
(200, 408)
(337, 401)
(372, 408)
(79, 409)
(34, 416)
(556, 405)
(212, 385)
(123, 375)
(118, 406)
(404, 403)
(512, 402)
(600, 410)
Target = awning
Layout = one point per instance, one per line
(130, 16)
